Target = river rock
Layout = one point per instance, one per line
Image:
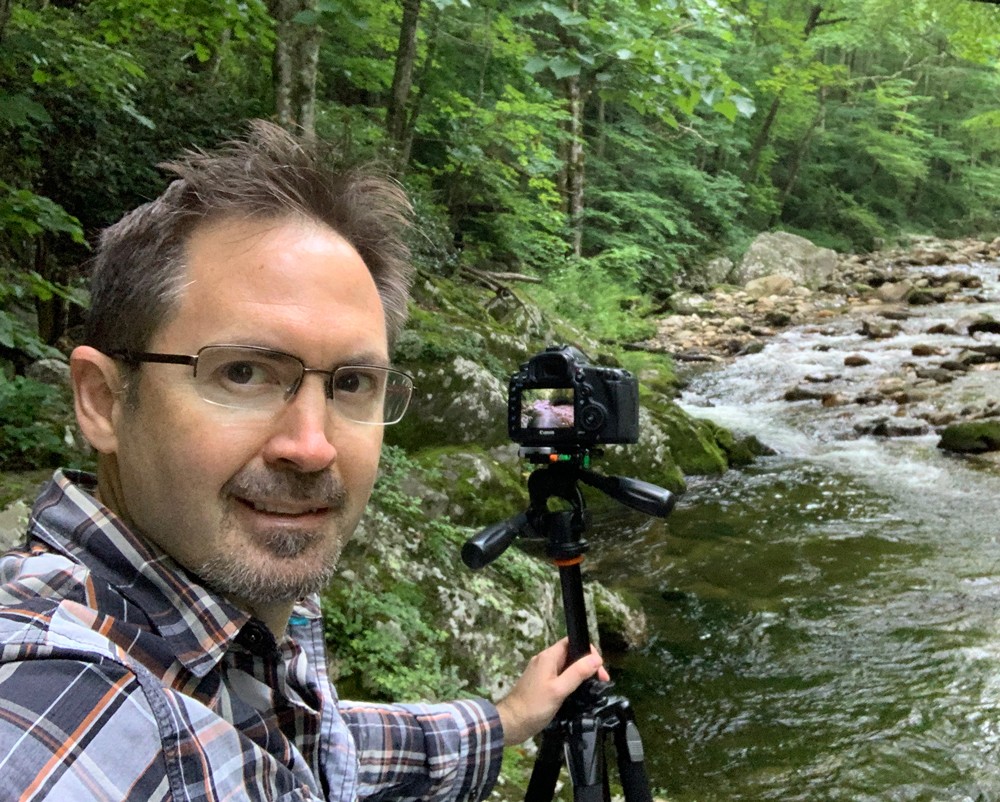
(891, 385)
(49, 371)
(925, 296)
(892, 427)
(971, 437)
(621, 626)
(936, 375)
(876, 330)
(856, 361)
(766, 286)
(984, 325)
(690, 303)
(893, 292)
(786, 254)
(800, 393)
(925, 349)
(711, 274)
(975, 356)
(925, 257)
(778, 318)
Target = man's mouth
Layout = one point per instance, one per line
(283, 508)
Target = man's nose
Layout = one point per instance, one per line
(302, 432)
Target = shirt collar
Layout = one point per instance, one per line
(198, 624)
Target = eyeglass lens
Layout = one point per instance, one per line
(261, 379)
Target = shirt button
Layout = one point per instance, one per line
(255, 638)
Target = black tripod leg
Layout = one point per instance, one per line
(586, 761)
(548, 762)
(631, 765)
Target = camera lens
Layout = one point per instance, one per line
(592, 417)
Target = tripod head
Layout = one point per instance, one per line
(558, 477)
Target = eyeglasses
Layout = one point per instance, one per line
(260, 379)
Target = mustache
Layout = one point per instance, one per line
(321, 488)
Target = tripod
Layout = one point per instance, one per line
(591, 712)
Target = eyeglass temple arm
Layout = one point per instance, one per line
(146, 356)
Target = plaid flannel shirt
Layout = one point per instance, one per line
(121, 677)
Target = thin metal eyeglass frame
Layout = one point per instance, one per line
(136, 357)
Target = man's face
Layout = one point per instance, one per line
(259, 506)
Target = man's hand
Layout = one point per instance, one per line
(543, 686)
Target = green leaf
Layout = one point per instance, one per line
(201, 52)
(565, 16)
(308, 18)
(6, 330)
(564, 68)
(536, 64)
(21, 110)
(726, 108)
(745, 106)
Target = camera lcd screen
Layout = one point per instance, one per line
(547, 408)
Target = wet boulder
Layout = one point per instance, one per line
(892, 427)
(984, 325)
(877, 330)
(892, 292)
(971, 437)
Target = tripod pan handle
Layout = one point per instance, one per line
(483, 548)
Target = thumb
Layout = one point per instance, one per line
(584, 668)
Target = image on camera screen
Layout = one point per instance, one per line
(547, 408)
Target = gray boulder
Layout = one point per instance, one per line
(786, 254)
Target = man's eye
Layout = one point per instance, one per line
(246, 374)
(355, 382)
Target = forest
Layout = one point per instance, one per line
(585, 144)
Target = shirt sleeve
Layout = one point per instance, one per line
(443, 752)
(77, 730)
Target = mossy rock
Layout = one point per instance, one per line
(971, 437)
(621, 621)
(479, 487)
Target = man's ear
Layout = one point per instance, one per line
(97, 396)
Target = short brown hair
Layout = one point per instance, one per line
(138, 268)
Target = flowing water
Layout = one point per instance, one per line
(826, 624)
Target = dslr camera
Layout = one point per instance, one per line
(557, 398)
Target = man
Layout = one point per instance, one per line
(161, 632)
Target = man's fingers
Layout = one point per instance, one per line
(584, 668)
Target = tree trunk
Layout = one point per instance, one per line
(760, 141)
(575, 149)
(795, 167)
(764, 134)
(5, 7)
(402, 81)
(417, 94)
(575, 165)
(296, 62)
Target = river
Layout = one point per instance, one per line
(825, 625)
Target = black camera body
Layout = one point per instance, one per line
(559, 399)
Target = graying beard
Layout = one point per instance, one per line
(229, 575)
